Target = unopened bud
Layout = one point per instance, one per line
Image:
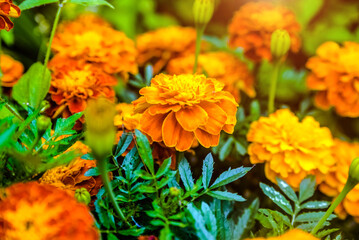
(83, 196)
(280, 43)
(203, 11)
(44, 106)
(43, 123)
(354, 171)
(174, 191)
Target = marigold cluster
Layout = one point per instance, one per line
(334, 74)
(11, 69)
(90, 39)
(34, 211)
(181, 109)
(344, 153)
(294, 234)
(159, 46)
(253, 24)
(8, 9)
(290, 149)
(222, 66)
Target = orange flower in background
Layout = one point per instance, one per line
(253, 24)
(34, 211)
(290, 149)
(335, 75)
(12, 70)
(222, 66)
(344, 153)
(180, 109)
(294, 234)
(126, 117)
(90, 39)
(159, 46)
(8, 9)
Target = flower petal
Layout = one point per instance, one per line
(152, 125)
(217, 118)
(206, 139)
(191, 118)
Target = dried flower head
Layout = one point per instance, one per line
(294, 234)
(253, 24)
(11, 69)
(179, 109)
(290, 149)
(334, 74)
(92, 40)
(8, 9)
(222, 66)
(35, 211)
(159, 46)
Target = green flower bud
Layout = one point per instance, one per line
(43, 123)
(175, 191)
(280, 43)
(203, 11)
(44, 106)
(354, 171)
(83, 196)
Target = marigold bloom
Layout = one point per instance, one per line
(335, 76)
(8, 9)
(159, 46)
(344, 153)
(222, 66)
(11, 69)
(294, 234)
(179, 109)
(126, 117)
(34, 211)
(290, 149)
(92, 40)
(253, 24)
(74, 83)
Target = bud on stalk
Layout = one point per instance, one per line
(280, 44)
(203, 11)
(83, 196)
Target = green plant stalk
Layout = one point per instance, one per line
(273, 86)
(48, 50)
(102, 167)
(200, 31)
(347, 188)
(12, 109)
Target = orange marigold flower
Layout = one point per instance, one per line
(12, 70)
(294, 234)
(34, 211)
(8, 9)
(74, 83)
(335, 76)
(146, 237)
(127, 117)
(290, 149)
(344, 153)
(253, 25)
(92, 40)
(179, 109)
(159, 46)
(222, 66)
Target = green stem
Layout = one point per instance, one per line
(347, 188)
(200, 31)
(273, 86)
(11, 109)
(48, 50)
(102, 167)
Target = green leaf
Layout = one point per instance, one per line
(27, 4)
(305, 10)
(131, 232)
(32, 87)
(226, 196)
(199, 223)
(186, 174)
(64, 125)
(229, 176)
(245, 221)
(92, 2)
(8, 37)
(166, 234)
(92, 172)
(226, 148)
(146, 189)
(143, 174)
(266, 219)
(240, 148)
(207, 170)
(306, 188)
(165, 166)
(313, 217)
(277, 198)
(110, 236)
(6, 136)
(287, 190)
(326, 232)
(144, 150)
(165, 180)
(315, 205)
(123, 144)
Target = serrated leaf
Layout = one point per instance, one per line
(146, 189)
(288, 191)
(277, 198)
(326, 232)
(245, 221)
(309, 226)
(87, 156)
(92, 2)
(306, 188)
(226, 148)
(143, 174)
(229, 176)
(27, 4)
(92, 172)
(226, 196)
(199, 223)
(209, 219)
(165, 180)
(313, 217)
(63, 125)
(5, 137)
(132, 232)
(123, 144)
(315, 205)
(207, 170)
(165, 166)
(186, 174)
(266, 219)
(145, 151)
(110, 236)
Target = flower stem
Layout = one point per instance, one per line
(347, 188)
(11, 109)
(273, 86)
(200, 31)
(102, 167)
